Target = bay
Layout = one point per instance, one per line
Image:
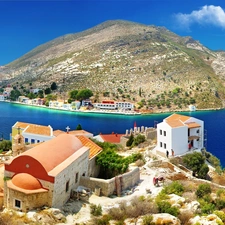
(95, 123)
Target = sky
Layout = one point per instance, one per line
(27, 24)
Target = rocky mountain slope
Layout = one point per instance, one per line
(128, 61)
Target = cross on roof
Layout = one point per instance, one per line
(67, 129)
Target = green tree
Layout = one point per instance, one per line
(130, 140)
(139, 139)
(53, 86)
(84, 94)
(47, 91)
(14, 94)
(5, 145)
(40, 94)
(31, 95)
(51, 97)
(196, 162)
(79, 127)
(73, 94)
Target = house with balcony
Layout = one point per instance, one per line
(179, 134)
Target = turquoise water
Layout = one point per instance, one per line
(108, 123)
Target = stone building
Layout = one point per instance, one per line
(45, 174)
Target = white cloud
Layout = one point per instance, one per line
(207, 15)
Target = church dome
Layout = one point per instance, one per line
(26, 181)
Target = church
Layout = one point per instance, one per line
(45, 174)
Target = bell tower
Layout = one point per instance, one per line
(18, 144)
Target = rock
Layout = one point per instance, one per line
(161, 218)
(176, 200)
(211, 219)
(193, 206)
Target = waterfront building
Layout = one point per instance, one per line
(178, 134)
(37, 101)
(113, 105)
(2, 98)
(24, 99)
(75, 105)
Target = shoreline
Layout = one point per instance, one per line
(132, 113)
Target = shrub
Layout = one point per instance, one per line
(203, 189)
(166, 207)
(185, 216)
(96, 210)
(220, 214)
(147, 220)
(104, 220)
(220, 204)
(207, 207)
(174, 188)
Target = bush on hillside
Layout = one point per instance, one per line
(203, 190)
(174, 188)
(196, 162)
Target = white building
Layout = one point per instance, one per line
(2, 98)
(110, 104)
(179, 133)
(32, 133)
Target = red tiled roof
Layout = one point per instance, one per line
(53, 152)
(94, 148)
(112, 138)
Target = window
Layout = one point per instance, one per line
(160, 132)
(67, 185)
(164, 133)
(17, 203)
(32, 141)
(164, 145)
(160, 144)
(26, 140)
(197, 131)
(76, 178)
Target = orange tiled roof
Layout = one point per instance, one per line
(112, 138)
(175, 123)
(193, 125)
(21, 125)
(38, 129)
(58, 132)
(50, 153)
(78, 132)
(177, 117)
(94, 148)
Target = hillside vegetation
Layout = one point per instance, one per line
(122, 60)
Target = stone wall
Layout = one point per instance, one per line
(93, 169)
(112, 186)
(27, 202)
(69, 178)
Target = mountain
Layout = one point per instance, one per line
(127, 61)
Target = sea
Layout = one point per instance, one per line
(10, 113)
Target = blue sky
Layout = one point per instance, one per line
(26, 24)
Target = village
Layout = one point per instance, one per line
(57, 169)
